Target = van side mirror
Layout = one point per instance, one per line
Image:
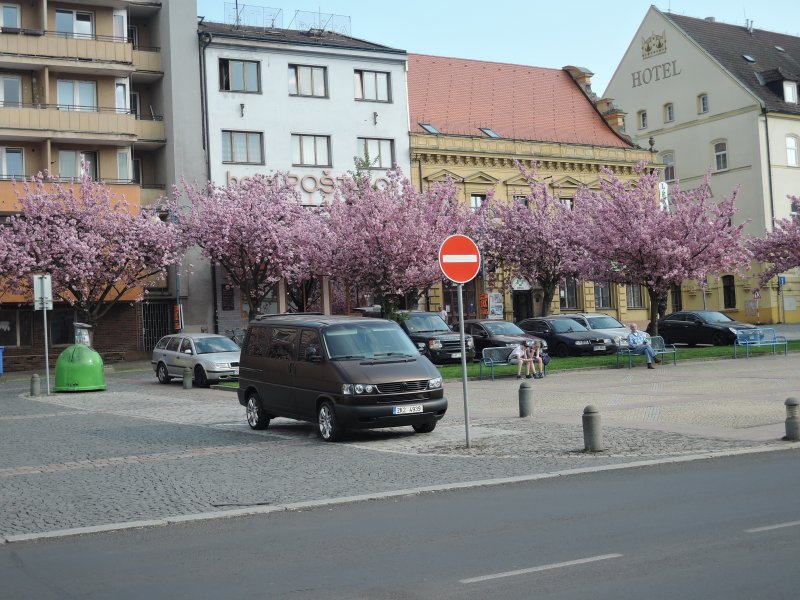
(188, 351)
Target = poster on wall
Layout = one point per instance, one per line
(227, 297)
(496, 305)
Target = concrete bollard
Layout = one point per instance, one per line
(36, 386)
(592, 430)
(187, 378)
(525, 399)
(792, 419)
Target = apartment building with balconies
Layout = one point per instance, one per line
(84, 88)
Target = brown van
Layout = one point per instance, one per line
(339, 372)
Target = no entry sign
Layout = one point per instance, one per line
(459, 258)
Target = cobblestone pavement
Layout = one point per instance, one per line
(143, 451)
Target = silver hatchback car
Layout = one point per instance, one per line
(211, 357)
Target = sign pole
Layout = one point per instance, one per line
(463, 357)
(46, 355)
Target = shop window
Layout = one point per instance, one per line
(16, 327)
(568, 293)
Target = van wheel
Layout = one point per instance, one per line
(162, 373)
(256, 417)
(425, 427)
(200, 378)
(329, 428)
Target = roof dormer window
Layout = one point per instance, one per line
(748, 58)
(790, 92)
(490, 132)
(429, 128)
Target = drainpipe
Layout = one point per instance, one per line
(769, 170)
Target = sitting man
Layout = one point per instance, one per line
(638, 343)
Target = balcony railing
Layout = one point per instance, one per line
(97, 122)
(9, 191)
(52, 47)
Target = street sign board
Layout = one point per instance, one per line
(459, 258)
(781, 280)
(42, 292)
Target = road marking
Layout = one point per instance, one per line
(459, 258)
(41, 416)
(569, 563)
(771, 527)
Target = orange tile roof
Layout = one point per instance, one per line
(457, 96)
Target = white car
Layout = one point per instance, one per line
(211, 357)
(605, 325)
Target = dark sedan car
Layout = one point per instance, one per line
(434, 338)
(491, 333)
(567, 337)
(700, 327)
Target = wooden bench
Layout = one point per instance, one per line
(759, 337)
(499, 357)
(657, 342)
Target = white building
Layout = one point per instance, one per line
(300, 101)
(720, 98)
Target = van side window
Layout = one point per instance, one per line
(174, 344)
(309, 340)
(281, 345)
(257, 342)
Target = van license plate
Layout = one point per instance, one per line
(455, 355)
(599, 348)
(407, 410)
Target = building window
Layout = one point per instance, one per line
(74, 23)
(669, 113)
(308, 81)
(702, 103)
(791, 151)
(16, 327)
(523, 200)
(242, 147)
(311, 150)
(568, 293)
(77, 95)
(676, 298)
(668, 159)
(728, 291)
(10, 91)
(476, 201)
(379, 153)
(73, 164)
(721, 156)
(11, 164)
(62, 330)
(567, 202)
(239, 76)
(642, 119)
(790, 92)
(429, 128)
(372, 86)
(634, 295)
(9, 15)
(602, 295)
(123, 166)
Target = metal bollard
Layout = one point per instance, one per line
(187, 378)
(525, 399)
(792, 419)
(592, 430)
(36, 385)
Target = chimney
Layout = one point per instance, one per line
(615, 117)
(581, 76)
(711, 19)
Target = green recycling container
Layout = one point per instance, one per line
(79, 369)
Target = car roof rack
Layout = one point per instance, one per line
(290, 314)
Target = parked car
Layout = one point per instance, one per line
(604, 325)
(211, 357)
(339, 372)
(434, 338)
(700, 327)
(567, 337)
(491, 333)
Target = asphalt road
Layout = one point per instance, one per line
(723, 528)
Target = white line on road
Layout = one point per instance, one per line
(569, 563)
(459, 258)
(771, 527)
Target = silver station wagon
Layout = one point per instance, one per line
(211, 357)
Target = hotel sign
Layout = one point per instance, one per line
(310, 184)
(653, 46)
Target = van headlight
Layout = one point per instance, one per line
(435, 344)
(582, 342)
(435, 383)
(349, 389)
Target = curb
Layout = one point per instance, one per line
(431, 489)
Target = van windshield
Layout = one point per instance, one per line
(381, 339)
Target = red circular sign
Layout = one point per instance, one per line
(459, 258)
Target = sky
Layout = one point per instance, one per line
(584, 33)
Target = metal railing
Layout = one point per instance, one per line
(78, 36)
(81, 108)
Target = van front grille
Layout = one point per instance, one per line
(402, 386)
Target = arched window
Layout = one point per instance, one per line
(669, 113)
(791, 151)
(721, 156)
(728, 291)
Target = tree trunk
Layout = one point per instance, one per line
(657, 301)
(548, 292)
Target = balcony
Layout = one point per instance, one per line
(151, 193)
(35, 49)
(9, 189)
(147, 62)
(83, 124)
(150, 132)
